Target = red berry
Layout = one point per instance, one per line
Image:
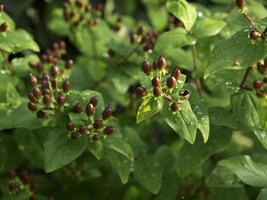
(254, 35)
(40, 114)
(96, 138)
(77, 108)
(107, 113)
(75, 135)
(31, 97)
(141, 91)
(66, 86)
(32, 106)
(32, 79)
(175, 107)
(109, 130)
(47, 99)
(46, 91)
(162, 63)
(68, 64)
(60, 100)
(240, 3)
(94, 101)
(157, 91)
(37, 92)
(156, 81)
(98, 124)
(54, 71)
(45, 77)
(83, 129)
(176, 73)
(147, 68)
(70, 126)
(24, 177)
(90, 109)
(257, 84)
(171, 82)
(3, 27)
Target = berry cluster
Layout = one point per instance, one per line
(163, 83)
(50, 84)
(261, 85)
(146, 39)
(21, 183)
(77, 12)
(91, 125)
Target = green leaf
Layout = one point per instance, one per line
(183, 122)
(119, 145)
(31, 144)
(263, 194)
(235, 52)
(3, 156)
(17, 40)
(193, 156)
(147, 172)
(222, 177)
(250, 172)
(173, 39)
(184, 11)
(149, 107)
(60, 150)
(228, 194)
(206, 27)
(57, 23)
(222, 117)
(122, 165)
(12, 96)
(96, 148)
(158, 16)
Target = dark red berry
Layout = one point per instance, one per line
(68, 64)
(254, 35)
(40, 114)
(32, 79)
(262, 68)
(83, 129)
(156, 81)
(155, 65)
(141, 91)
(96, 138)
(3, 27)
(77, 108)
(75, 135)
(45, 77)
(32, 106)
(147, 68)
(175, 107)
(47, 99)
(12, 186)
(61, 100)
(257, 84)
(94, 101)
(37, 92)
(54, 71)
(176, 73)
(240, 3)
(66, 86)
(12, 174)
(46, 91)
(2, 8)
(107, 113)
(109, 130)
(90, 109)
(70, 126)
(171, 82)
(31, 97)
(157, 91)
(162, 63)
(98, 124)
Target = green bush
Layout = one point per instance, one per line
(166, 100)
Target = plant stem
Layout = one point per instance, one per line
(252, 24)
(245, 77)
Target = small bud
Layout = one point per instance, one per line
(70, 126)
(45, 77)
(37, 92)
(156, 81)
(54, 71)
(46, 91)
(96, 137)
(98, 124)
(175, 107)
(176, 73)
(40, 114)
(109, 130)
(257, 84)
(68, 64)
(47, 99)
(141, 91)
(171, 82)
(240, 3)
(31, 97)
(61, 100)
(107, 113)
(32, 106)
(147, 68)
(77, 108)
(94, 101)
(90, 109)
(162, 63)
(157, 91)
(66, 86)
(254, 35)
(83, 129)
(32, 79)
(75, 135)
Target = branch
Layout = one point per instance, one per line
(245, 77)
